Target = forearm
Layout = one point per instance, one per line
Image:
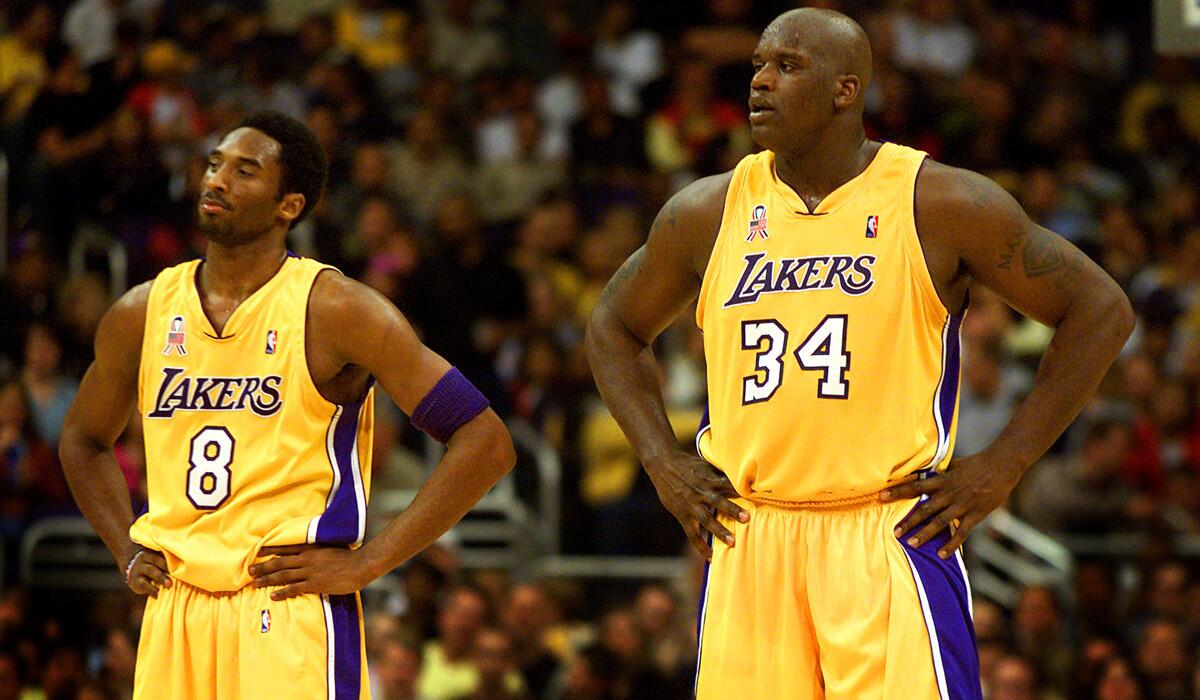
(627, 376)
(477, 456)
(100, 491)
(1083, 347)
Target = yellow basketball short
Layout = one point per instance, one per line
(197, 645)
(827, 603)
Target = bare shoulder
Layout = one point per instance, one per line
(688, 223)
(949, 195)
(341, 304)
(120, 332)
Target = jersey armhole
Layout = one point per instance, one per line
(916, 255)
(310, 383)
(717, 254)
(142, 349)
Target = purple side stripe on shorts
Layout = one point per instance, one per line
(946, 602)
(346, 652)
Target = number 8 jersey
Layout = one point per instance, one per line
(832, 364)
(242, 451)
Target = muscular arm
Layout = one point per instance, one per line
(99, 414)
(973, 230)
(356, 326)
(650, 290)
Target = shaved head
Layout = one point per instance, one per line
(835, 40)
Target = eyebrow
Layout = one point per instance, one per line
(782, 53)
(240, 159)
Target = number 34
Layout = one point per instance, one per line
(823, 350)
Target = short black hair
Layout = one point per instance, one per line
(304, 165)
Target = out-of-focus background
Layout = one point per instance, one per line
(493, 162)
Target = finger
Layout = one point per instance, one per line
(914, 488)
(288, 592)
(933, 528)
(152, 557)
(159, 576)
(144, 586)
(281, 578)
(283, 550)
(710, 523)
(699, 541)
(726, 507)
(964, 528)
(275, 564)
(922, 512)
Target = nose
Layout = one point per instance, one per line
(217, 179)
(763, 78)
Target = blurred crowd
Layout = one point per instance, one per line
(492, 164)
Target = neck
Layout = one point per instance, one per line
(817, 171)
(234, 272)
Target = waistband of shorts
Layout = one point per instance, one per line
(850, 502)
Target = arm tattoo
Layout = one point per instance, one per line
(1042, 256)
(628, 270)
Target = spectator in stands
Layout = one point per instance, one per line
(510, 188)
(1162, 658)
(120, 654)
(461, 40)
(588, 677)
(630, 56)
(1084, 494)
(527, 616)
(1040, 636)
(67, 132)
(607, 149)
(397, 667)
(497, 676)
(1117, 680)
(425, 168)
(28, 468)
(11, 681)
(369, 177)
(1095, 593)
(50, 392)
(22, 64)
(693, 121)
(991, 387)
(1014, 678)
(446, 668)
(933, 40)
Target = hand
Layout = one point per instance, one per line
(692, 489)
(304, 568)
(148, 572)
(966, 492)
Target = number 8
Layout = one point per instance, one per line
(209, 476)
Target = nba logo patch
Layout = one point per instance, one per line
(266, 621)
(872, 226)
(272, 336)
(758, 223)
(176, 337)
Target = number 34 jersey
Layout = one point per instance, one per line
(832, 364)
(242, 451)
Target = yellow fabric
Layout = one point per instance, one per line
(812, 605)
(200, 646)
(610, 464)
(384, 49)
(280, 431)
(797, 445)
(22, 74)
(442, 680)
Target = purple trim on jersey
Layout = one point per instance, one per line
(347, 647)
(948, 616)
(700, 609)
(339, 524)
(949, 393)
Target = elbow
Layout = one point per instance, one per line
(501, 451)
(1118, 313)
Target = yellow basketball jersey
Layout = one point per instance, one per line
(832, 364)
(242, 451)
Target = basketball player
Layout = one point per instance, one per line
(252, 372)
(831, 276)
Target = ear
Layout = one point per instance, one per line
(848, 90)
(290, 206)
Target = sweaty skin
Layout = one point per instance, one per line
(353, 334)
(811, 68)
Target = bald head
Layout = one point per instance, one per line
(833, 38)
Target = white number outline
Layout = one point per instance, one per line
(196, 472)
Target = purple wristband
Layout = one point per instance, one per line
(449, 405)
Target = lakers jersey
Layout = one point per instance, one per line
(242, 451)
(832, 364)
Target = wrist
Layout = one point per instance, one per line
(373, 563)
